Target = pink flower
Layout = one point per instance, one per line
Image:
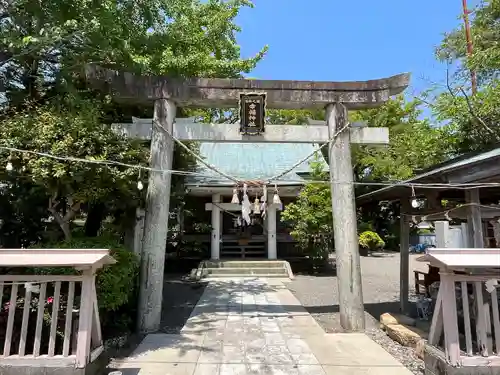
(50, 299)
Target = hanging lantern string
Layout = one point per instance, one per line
(140, 186)
(226, 211)
(301, 161)
(252, 183)
(446, 213)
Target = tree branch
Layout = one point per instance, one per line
(53, 203)
(467, 99)
(73, 209)
(472, 112)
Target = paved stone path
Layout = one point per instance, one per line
(256, 326)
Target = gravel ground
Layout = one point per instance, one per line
(380, 273)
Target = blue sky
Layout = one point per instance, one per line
(331, 40)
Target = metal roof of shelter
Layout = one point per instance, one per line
(438, 173)
(55, 257)
(251, 161)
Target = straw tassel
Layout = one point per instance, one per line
(256, 206)
(246, 206)
(235, 199)
(276, 197)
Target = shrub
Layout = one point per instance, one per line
(115, 283)
(371, 241)
(310, 216)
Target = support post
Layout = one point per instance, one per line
(156, 220)
(272, 251)
(475, 224)
(85, 320)
(134, 235)
(404, 255)
(216, 221)
(474, 218)
(442, 230)
(352, 317)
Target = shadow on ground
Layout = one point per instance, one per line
(179, 299)
(307, 267)
(374, 309)
(327, 268)
(224, 297)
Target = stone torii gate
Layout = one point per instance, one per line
(335, 97)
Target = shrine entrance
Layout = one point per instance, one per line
(242, 241)
(252, 97)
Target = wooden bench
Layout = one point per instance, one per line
(425, 279)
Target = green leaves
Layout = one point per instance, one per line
(370, 240)
(475, 119)
(485, 30)
(413, 143)
(79, 134)
(310, 216)
(52, 41)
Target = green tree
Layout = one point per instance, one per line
(44, 47)
(485, 29)
(45, 44)
(23, 212)
(475, 118)
(76, 133)
(413, 142)
(310, 215)
(294, 116)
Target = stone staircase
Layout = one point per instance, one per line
(244, 268)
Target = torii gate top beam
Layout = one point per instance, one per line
(224, 93)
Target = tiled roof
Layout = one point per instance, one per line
(248, 161)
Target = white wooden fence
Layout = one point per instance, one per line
(50, 320)
(466, 320)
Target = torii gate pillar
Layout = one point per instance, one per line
(224, 93)
(352, 314)
(156, 219)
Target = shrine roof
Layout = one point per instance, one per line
(247, 161)
(469, 168)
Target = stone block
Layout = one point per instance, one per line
(420, 348)
(405, 335)
(390, 319)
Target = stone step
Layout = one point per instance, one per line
(239, 275)
(246, 271)
(244, 264)
(243, 268)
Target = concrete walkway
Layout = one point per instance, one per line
(256, 326)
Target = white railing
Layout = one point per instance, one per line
(466, 321)
(48, 320)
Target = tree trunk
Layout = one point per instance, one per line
(64, 221)
(94, 220)
(65, 227)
